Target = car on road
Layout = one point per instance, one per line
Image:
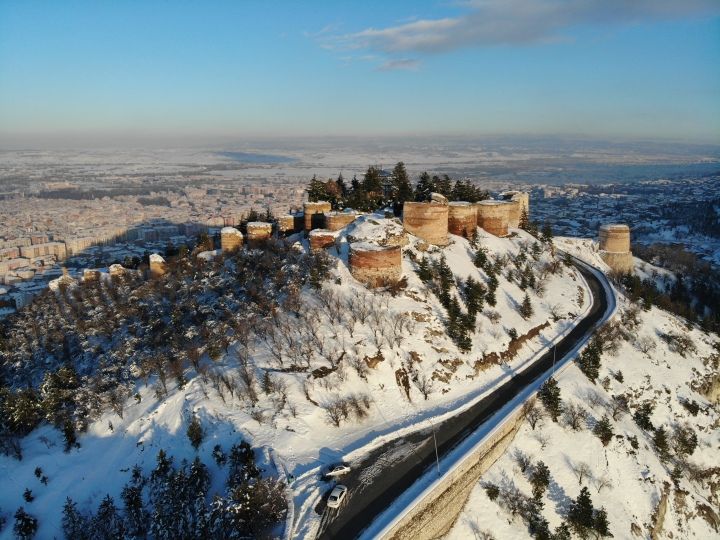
(337, 496)
(337, 470)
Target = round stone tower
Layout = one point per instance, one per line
(520, 201)
(374, 265)
(321, 239)
(462, 219)
(230, 239)
(258, 232)
(334, 221)
(615, 247)
(427, 220)
(315, 214)
(494, 216)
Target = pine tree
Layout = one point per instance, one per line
(549, 394)
(481, 260)
(660, 440)
(424, 187)
(600, 523)
(195, 432)
(342, 186)
(526, 309)
(589, 361)
(28, 496)
(316, 191)
(524, 219)
(107, 523)
(603, 429)
(136, 517)
(581, 516)
(642, 416)
(74, 524)
(547, 232)
(402, 187)
(25, 525)
(540, 479)
(562, 532)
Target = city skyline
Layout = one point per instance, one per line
(84, 71)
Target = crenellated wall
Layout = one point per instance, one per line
(374, 265)
(427, 220)
(462, 219)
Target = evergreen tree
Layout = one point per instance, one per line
(74, 524)
(107, 523)
(603, 430)
(424, 187)
(540, 479)
(642, 416)
(424, 272)
(402, 188)
(316, 191)
(443, 185)
(526, 309)
(600, 523)
(195, 432)
(562, 532)
(28, 496)
(136, 517)
(481, 260)
(524, 219)
(25, 525)
(547, 232)
(581, 515)
(660, 440)
(342, 186)
(589, 361)
(549, 394)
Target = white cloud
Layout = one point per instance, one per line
(503, 22)
(406, 64)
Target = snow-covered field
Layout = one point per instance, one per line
(627, 481)
(290, 424)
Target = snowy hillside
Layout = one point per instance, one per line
(316, 376)
(649, 402)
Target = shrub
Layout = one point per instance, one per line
(603, 430)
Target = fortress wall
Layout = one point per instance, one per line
(321, 239)
(428, 221)
(314, 213)
(230, 239)
(334, 221)
(374, 265)
(286, 223)
(521, 201)
(258, 232)
(494, 216)
(462, 219)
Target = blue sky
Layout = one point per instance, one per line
(640, 68)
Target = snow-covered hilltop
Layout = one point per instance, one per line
(206, 396)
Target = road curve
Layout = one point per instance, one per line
(386, 472)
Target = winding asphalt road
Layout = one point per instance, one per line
(385, 473)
